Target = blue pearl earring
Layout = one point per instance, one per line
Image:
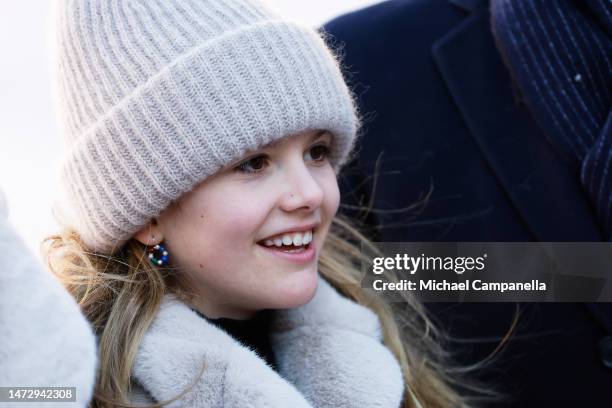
(158, 255)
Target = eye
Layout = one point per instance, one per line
(253, 165)
(319, 152)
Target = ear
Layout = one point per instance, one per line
(150, 234)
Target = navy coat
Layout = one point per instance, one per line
(443, 121)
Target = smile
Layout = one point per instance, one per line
(296, 239)
(293, 246)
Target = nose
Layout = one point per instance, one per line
(301, 190)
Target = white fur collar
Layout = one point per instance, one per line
(328, 352)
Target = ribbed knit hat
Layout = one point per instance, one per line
(157, 95)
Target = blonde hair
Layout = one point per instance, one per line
(120, 295)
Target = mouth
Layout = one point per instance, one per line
(292, 242)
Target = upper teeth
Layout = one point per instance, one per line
(292, 238)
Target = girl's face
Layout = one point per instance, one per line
(224, 233)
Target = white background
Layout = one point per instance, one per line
(30, 145)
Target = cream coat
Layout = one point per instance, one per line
(44, 339)
(328, 352)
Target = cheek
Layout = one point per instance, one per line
(218, 229)
(331, 199)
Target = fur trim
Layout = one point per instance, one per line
(329, 354)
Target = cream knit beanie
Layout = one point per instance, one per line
(157, 95)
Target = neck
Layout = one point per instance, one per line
(221, 311)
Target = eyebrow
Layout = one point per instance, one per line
(280, 141)
(275, 143)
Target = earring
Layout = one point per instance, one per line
(158, 255)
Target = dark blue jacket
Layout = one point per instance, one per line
(443, 121)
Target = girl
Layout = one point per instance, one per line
(199, 209)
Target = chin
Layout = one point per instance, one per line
(298, 292)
